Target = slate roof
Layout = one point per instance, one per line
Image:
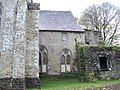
(58, 21)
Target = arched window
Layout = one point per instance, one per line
(43, 59)
(62, 59)
(65, 60)
(68, 59)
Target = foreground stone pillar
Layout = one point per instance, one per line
(18, 81)
(7, 43)
(19, 48)
(32, 47)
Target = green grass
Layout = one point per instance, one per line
(72, 84)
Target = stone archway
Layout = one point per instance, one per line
(43, 59)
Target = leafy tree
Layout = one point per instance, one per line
(103, 17)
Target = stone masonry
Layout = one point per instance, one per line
(32, 46)
(104, 62)
(19, 45)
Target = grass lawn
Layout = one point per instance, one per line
(72, 84)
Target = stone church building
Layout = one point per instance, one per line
(57, 35)
(34, 41)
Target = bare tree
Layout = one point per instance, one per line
(103, 17)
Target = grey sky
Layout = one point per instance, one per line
(76, 6)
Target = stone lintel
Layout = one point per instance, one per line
(33, 6)
(32, 82)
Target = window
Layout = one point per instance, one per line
(87, 43)
(104, 62)
(64, 36)
(65, 60)
(68, 59)
(62, 59)
(43, 59)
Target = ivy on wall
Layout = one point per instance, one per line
(81, 50)
(81, 60)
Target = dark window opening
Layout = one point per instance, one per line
(40, 61)
(68, 59)
(87, 43)
(62, 59)
(103, 63)
(44, 58)
(39, 58)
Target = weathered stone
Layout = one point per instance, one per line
(32, 44)
(12, 84)
(93, 37)
(54, 45)
(33, 6)
(14, 42)
(32, 82)
(112, 65)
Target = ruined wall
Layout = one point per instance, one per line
(54, 44)
(113, 62)
(93, 37)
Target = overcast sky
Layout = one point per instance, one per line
(76, 6)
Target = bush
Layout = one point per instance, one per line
(66, 75)
(69, 75)
(91, 77)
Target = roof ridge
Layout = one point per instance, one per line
(55, 10)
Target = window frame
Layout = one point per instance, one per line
(43, 61)
(64, 36)
(66, 53)
(108, 62)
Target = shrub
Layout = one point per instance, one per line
(68, 75)
(91, 77)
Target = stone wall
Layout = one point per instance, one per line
(92, 61)
(12, 57)
(7, 31)
(93, 37)
(54, 45)
(15, 45)
(32, 46)
(20, 40)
